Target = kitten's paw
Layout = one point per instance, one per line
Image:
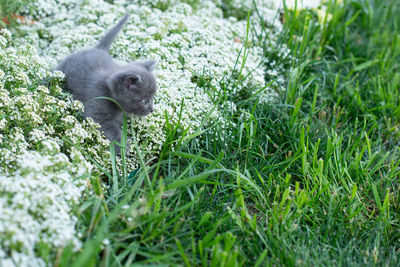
(117, 150)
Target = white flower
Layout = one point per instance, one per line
(77, 105)
(50, 100)
(3, 123)
(37, 135)
(51, 146)
(5, 37)
(43, 89)
(69, 120)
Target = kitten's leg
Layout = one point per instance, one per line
(110, 122)
(113, 133)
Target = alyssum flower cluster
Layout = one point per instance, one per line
(39, 185)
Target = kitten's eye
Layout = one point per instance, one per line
(144, 101)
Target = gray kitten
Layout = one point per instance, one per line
(93, 73)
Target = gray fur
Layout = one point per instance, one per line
(107, 40)
(93, 73)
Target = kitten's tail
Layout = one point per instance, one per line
(106, 41)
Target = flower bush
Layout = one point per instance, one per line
(42, 167)
(45, 143)
(36, 205)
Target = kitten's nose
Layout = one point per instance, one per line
(151, 109)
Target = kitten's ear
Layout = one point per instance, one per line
(149, 65)
(132, 79)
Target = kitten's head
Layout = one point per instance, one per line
(133, 87)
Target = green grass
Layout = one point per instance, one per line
(312, 179)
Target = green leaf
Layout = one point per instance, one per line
(366, 64)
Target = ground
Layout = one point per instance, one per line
(275, 139)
